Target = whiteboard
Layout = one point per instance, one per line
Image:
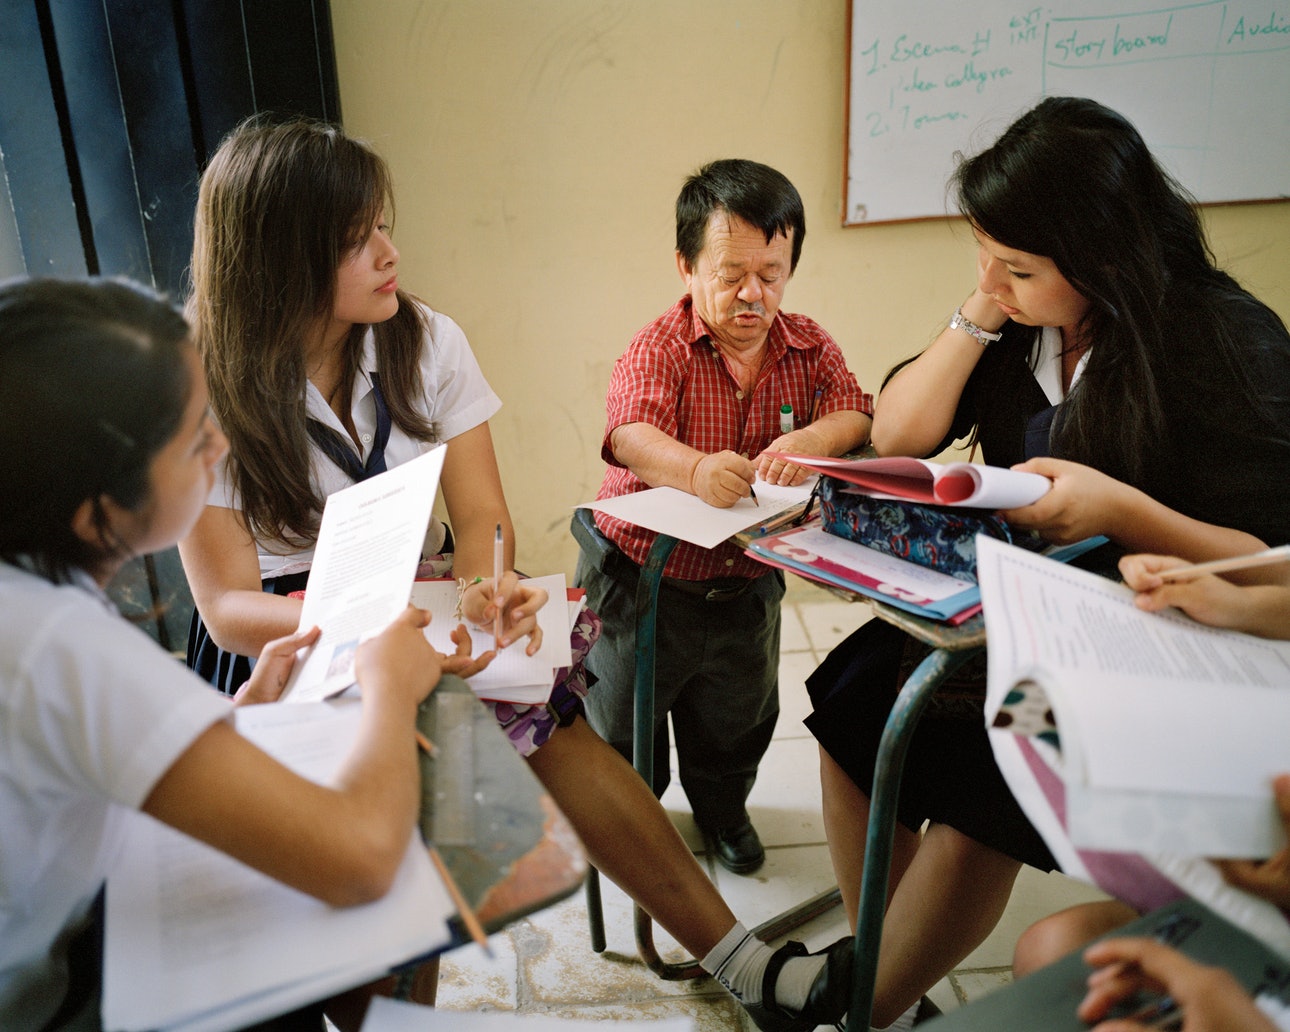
(1207, 85)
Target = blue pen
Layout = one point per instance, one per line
(815, 405)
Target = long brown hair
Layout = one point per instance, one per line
(280, 206)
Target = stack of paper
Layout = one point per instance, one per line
(835, 561)
(513, 675)
(196, 940)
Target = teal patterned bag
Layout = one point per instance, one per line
(935, 536)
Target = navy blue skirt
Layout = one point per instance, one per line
(228, 671)
(950, 775)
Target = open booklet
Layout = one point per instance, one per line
(196, 940)
(1163, 733)
(965, 484)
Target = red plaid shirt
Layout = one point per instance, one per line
(673, 378)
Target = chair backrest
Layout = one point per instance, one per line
(153, 592)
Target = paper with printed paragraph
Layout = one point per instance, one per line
(369, 544)
(1170, 731)
(196, 940)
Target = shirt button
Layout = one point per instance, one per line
(739, 395)
(367, 438)
(744, 454)
(730, 562)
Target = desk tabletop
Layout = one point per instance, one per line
(507, 845)
(970, 634)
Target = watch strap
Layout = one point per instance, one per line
(959, 321)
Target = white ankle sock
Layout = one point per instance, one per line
(739, 962)
(904, 1023)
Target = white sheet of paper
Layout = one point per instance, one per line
(386, 1015)
(195, 938)
(512, 676)
(368, 547)
(688, 518)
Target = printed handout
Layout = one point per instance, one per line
(369, 544)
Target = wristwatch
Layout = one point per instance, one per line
(959, 321)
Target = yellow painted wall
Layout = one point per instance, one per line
(537, 149)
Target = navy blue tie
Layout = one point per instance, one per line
(339, 449)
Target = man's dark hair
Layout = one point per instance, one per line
(749, 190)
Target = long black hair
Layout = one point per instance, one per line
(1073, 181)
(93, 383)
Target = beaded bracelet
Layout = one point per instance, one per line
(462, 585)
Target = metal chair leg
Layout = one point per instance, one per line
(888, 768)
(595, 910)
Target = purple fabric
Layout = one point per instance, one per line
(1126, 876)
(529, 727)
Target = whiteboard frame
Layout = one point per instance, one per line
(851, 203)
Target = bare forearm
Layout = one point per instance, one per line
(659, 460)
(245, 621)
(837, 433)
(915, 409)
(1139, 523)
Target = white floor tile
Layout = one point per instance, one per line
(794, 703)
(828, 622)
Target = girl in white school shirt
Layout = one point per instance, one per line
(299, 315)
(106, 453)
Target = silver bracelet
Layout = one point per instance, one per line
(959, 321)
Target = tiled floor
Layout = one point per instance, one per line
(545, 964)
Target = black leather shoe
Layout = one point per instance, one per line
(739, 850)
(828, 1000)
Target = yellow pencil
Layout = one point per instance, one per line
(467, 915)
(1280, 554)
(426, 745)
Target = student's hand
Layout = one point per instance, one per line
(787, 474)
(1083, 502)
(519, 600)
(1208, 599)
(722, 478)
(400, 659)
(1211, 1000)
(461, 662)
(273, 668)
(1268, 879)
(1262, 609)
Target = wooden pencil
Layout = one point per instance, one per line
(467, 915)
(1280, 554)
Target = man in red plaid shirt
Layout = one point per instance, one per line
(694, 403)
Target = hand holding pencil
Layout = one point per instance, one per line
(1164, 581)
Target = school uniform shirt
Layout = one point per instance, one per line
(92, 714)
(673, 377)
(455, 397)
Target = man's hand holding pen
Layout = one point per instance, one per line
(722, 478)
